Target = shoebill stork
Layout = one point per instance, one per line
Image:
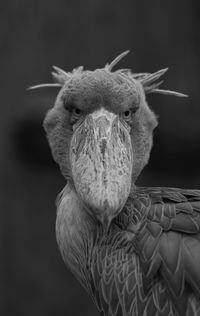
(135, 250)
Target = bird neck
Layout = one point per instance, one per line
(74, 229)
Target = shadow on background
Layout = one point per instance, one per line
(36, 35)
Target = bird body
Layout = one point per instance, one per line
(136, 251)
(148, 263)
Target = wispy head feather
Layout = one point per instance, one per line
(150, 85)
(59, 75)
(45, 85)
(110, 66)
(147, 80)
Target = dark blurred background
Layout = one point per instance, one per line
(34, 35)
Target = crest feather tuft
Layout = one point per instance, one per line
(110, 66)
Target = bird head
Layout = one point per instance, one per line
(100, 131)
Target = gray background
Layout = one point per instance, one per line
(34, 35)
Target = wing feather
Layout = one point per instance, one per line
(150, 264)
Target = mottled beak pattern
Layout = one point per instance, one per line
(101, 161)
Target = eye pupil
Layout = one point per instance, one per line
(127, 113)
(77, 111)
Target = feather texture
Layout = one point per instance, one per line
(148, 262)
(152, 270)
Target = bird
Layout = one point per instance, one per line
(135, 250)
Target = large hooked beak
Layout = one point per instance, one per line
(101, 161)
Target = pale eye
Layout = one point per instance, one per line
(73, 109)
(127, 114)
(77, 112)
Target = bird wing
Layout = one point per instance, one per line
(149, 264)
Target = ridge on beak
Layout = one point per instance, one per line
(101, 161)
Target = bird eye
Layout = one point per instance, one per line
(77, 112)
(127, 114)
